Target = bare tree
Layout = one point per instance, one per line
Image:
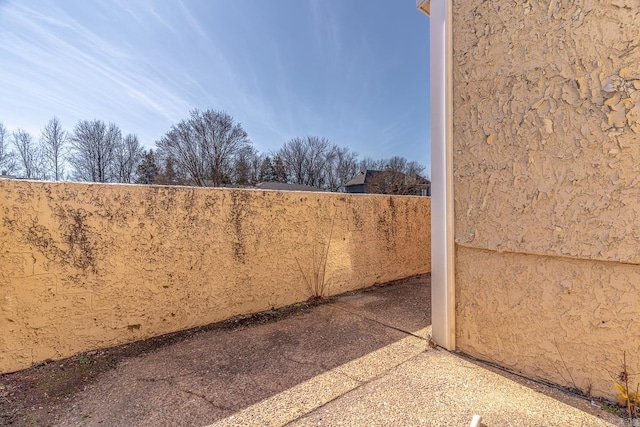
(53, 141)
(397, 164)
(304, 159)
(398, 176)
(256, 167)
(415, 168)
(314, 161)
(318, 151)
(340, 166)
(94, 148)
(371, 164)
(246, 168)
(29, 156)
(293, 156)
(128, 156)
(182, 150)
(204, 146)
(7, 157)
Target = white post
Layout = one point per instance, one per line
(442, 231)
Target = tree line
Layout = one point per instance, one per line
(206, 149)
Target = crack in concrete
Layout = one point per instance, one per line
(172, 383)
(167, 379)
(386, 325)
(325, 368)
(203, 397)
(154, 380)
(359, 381)
(360, 384)
(304, 362)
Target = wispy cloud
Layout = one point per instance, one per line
(327, 31)
(66, 65)
(307, 67)
(193, 22)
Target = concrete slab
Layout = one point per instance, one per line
(437, 388)
(408, 311)
(215, 374)
(300, 400)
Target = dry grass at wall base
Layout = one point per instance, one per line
(316, 282)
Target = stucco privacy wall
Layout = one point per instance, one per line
(546, 132)
(85, 266)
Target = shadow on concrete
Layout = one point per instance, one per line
(211, 374)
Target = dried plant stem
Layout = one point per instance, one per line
(627, 398)
(626, 384)
(565, 365)
(316, 282)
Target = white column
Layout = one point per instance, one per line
(442, 232)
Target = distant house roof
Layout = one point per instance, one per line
(388, 182)
(282, 186)
(361, 178)
(421, 180)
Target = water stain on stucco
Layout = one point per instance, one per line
(240, 211)
(74, 247)
(82, 264)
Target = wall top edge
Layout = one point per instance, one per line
(8, 183)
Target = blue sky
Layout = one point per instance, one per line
(353, 71)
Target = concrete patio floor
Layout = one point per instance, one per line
(360, 360)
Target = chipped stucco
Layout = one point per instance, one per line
(565, 320)
(86, 266)
(546, 131)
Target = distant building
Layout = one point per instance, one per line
(389, 182)
(359, 183)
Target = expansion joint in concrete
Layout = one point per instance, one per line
(386, 325)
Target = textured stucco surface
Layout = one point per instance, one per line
(547, 163)
(564, 320)
(546, 127)
(85, 266)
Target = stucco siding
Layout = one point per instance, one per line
(559, 319)
(85, 266)
(546, 135)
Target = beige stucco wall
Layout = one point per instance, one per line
(547, 185)
(85, 266)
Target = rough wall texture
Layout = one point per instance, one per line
(85, 266)
(560, 319)
(547, 163)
